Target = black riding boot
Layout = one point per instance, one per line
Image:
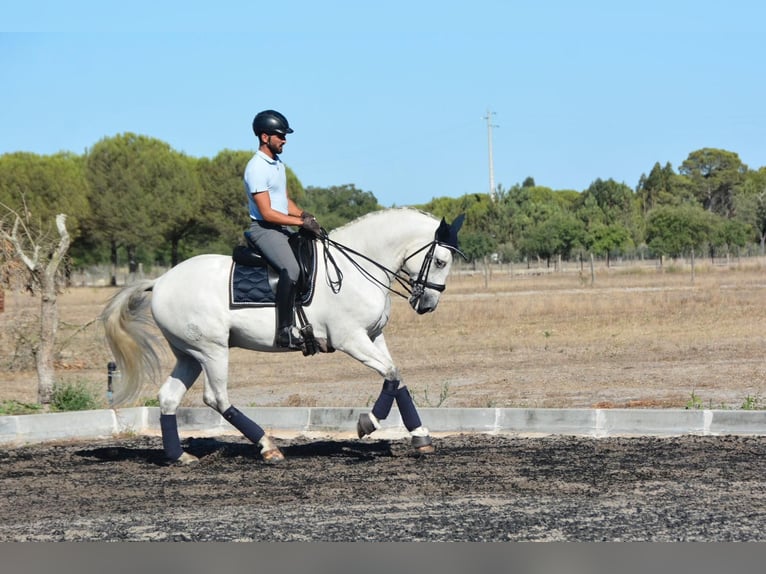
(286, 333)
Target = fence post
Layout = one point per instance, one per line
(111, 373)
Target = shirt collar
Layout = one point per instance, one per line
(267, 158)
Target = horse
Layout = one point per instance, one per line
(356, 267)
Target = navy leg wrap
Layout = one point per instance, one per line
(247, 427)
(170, 439)
(385, 400)
(410, 416)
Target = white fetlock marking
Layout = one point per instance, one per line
(420, 431)
(187, 458)
(375, 421)
(266, 444)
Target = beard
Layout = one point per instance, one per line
(275, 148)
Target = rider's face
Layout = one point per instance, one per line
(275, 142)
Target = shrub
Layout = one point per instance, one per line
(73, 397)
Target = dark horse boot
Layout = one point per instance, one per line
(287, 336)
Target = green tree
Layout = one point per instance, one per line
(603, 239)
(486, 221)
(224, 205)
(663, 186)
(727, 234)
(750, 204)
(611, 216)
(143, 192)
(614, 202)
(714, 175)
(559, 234)
(447, 207)
(177, 199)
(675, 230)
(476, 245)
(337, 205)
(295, 188)
(39, 187)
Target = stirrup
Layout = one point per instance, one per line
(288, 340)
(310, 344)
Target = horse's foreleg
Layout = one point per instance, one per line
(171, 392)
(391, 391)
(375, 354)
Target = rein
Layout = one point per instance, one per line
(412, 287)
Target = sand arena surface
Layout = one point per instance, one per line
(475, 488)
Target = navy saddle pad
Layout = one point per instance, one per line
(249, 284)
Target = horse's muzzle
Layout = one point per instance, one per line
(423, 304)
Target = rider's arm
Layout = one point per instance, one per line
(263, 201)
(293, 209)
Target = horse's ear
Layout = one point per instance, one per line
(442, 234)
(457, 224)
(446, 234)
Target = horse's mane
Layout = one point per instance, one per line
(377, 213)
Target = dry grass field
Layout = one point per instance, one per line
(638, 337)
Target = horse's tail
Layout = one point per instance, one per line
(127, 323)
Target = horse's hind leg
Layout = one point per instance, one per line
(185, 372)
(216, 396)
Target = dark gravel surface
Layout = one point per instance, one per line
(475, 488)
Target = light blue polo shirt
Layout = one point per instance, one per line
(265, 174)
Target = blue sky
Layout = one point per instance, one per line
(391, 96)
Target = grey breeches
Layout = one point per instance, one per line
(272, 241)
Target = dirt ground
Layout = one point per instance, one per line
(475, 488)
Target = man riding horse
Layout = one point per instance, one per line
(271, 211)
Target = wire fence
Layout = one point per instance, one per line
(106, 275)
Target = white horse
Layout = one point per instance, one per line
(356, 266)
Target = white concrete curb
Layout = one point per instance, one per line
(26, 429)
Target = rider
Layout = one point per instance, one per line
(271, 211)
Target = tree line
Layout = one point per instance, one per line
(133, 199)
(713, 204)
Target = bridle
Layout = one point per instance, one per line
(421, 283)
(414, 288)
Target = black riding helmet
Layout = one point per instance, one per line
(271, 122)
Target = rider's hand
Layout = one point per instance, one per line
(312, 225)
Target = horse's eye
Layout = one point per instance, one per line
(440, 263)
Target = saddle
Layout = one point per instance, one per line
(253, 281)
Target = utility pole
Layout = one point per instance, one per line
(490, 125)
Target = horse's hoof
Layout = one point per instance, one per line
(364, 425)
(427, 449)
(272, 456)
(186, 459)
(423, 445)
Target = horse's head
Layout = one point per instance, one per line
(428, 280)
